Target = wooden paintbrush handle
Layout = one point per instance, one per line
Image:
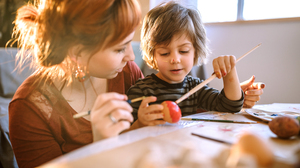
(213, 76)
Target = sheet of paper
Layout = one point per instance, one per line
(279, 107)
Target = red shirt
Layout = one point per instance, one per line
(41, 123)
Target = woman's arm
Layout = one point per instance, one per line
(32, 140)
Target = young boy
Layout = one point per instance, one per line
(173, 40)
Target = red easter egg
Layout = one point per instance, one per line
(172, 112)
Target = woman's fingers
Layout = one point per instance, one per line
(120, 115)
(110, 115)
(105, 98)
(119, 127)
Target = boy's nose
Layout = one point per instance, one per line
(175, 59)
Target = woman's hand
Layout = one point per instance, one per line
(110, 115)
(149, 114)
(252, 91)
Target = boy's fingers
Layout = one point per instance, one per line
(154, 116)
(227, 65)
(216, 68)
(147, 100)
(155, 107)
(259, 85)
(254, 92)
(157, 122)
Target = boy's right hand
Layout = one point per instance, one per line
(148, 115)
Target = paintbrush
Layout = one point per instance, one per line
(216, 140)
(216, 120)
(83, 114)
(213, 76)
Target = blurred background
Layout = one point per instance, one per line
(233, 28)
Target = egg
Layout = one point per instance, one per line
(172, 112)
(253, 145)
(284, 126)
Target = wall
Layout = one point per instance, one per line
(144, 8)
(276, 62)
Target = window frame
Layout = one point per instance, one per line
(240, 18)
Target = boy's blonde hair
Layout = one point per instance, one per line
(163, 22)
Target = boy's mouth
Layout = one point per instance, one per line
(176, 70)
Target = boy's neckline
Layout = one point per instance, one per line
(171, 85)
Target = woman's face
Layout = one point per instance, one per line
(107, 63)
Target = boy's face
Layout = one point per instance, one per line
(176, 60)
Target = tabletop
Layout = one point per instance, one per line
(173, 144)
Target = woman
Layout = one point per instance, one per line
(81, 50)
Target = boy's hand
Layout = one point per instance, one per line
(149, 114)
(253, 91)
(223, 65)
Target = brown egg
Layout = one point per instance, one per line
(284, 126)
(172, 112)
(252, 144)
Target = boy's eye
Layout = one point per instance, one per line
(185, 51)
(164, 54)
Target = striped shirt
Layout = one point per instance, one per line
(206, 98)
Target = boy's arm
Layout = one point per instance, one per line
(232, 86)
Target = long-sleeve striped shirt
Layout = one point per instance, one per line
(206, 98)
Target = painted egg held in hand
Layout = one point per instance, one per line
(172, 112)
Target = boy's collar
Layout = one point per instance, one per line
(170, 85)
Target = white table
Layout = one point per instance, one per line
(171, 143)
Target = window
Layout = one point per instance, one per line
(270, 9)
(218, 10)
(232, 10)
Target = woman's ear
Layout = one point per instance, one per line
(74, 53)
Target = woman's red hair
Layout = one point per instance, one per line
(47, 29)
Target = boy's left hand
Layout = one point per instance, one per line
(223, 65)
(252, 91)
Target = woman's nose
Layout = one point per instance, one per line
(129, 55)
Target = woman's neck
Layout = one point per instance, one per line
(82, 95)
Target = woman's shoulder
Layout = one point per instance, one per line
(35, 89)
(37, 96)
(26, 88)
